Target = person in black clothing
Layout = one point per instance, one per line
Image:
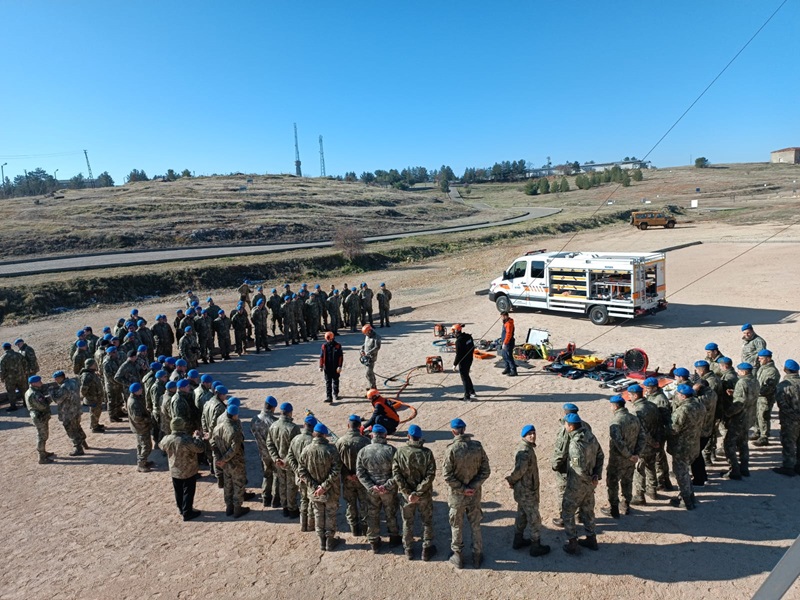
(330, 363)
(383, 412)
(463, 361)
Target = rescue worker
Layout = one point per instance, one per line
(281, 433)
(68, 399)
(374, 470)
(384, 297)
(465, 346)
(369, 354)
(507, 343)
(13, 367)
(354, 492)
(227, 443)
(92, 392)
(626, 441)
(525, 482)
(466, 467)
(260, 429)
(331, 358)
(768, 379)
(140, 424)
(787, 395)
(384, 412)
(38, 406)
(644, 478)
(296, 447)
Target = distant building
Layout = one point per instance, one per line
(789, 156)
(622, 164)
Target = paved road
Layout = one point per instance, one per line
(147, 257)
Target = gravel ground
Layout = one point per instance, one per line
(92, 527)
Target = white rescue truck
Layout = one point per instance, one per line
(601, 285)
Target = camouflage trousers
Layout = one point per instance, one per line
(737, 450)
(240, 341)
(662, 467)
(644, 478)
(306, 510)
(42, 432)
(95, 410)
(235, 480)
(425, 508)
(325, 517)
(163, 349)
(276, 325)
(353, 320)
(355, 497)
(289, 331)
(580, 499)
(225, 346)
(528, 516)
(369, 373)
(144, 445)
(205, 342)
(388, 502)
(287, 487)
(74, 430)
(115, 401)
(790, 443)
(469, 507)
(683, 475)
(300, 329)
(16, 391)
(261, 337)
(383, 316)
(269, 483)
(334, 323)
(619, 474)
(763, 414)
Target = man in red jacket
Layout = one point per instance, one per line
(507, 345)
(330, 363)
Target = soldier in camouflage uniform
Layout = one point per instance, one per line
(683, 443)
(654, 394)
(644, 479)
(114, 391)
(38, 406)
(146, 338)
(91, 339)
(287, 318)
(163, 336)
(274, 304)
(205, 336)
(346, 291)
(524, 480)
(332, 308)
(212, 310)
(189, 347)
(154, 398)
(30, 359)
(752, 344)
(80, 355)
(311, 315)
(384, 297)
(13, 367)
(92, 392)
(581, 459)
(374, 470)
(352, 308)
(240, 323)
(713, 354)
(212, 411)
(319, 468)
(626, 442)
(68, 399)
(354, 492)
(227, 442)
(743, 396)
(182, 449)
(141, 424)
(222, 326)
(768, 379)
(710, 374)
(165, 412)
(296, 447)
(80, 335)
(260, 430)
(562, 439)
(787, 395)
(128, 371)
(259, 317)
(413, 470)
(366, 296)
(708, 398)
(297, 305)
(281, 433)
(466, 467)
(728, 378)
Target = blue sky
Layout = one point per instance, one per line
(215, 86)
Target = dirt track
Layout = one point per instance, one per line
(92, 527)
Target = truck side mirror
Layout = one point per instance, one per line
(505, 275)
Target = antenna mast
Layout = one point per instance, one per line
(321, 159)
(297, 170)
(89, 167)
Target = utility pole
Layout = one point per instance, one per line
(89, 167)
(297, 170)
(3, 177)
(321, 159)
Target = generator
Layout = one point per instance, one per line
(434, 364)
(440, 330)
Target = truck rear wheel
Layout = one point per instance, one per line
(503, 304)
(642, 226)
(670, 224)
(598, 315)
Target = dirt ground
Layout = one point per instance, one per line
(92, 527)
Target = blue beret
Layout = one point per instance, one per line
(128, 335)
(572, 418)
(457, 424)
(129, 323)
(214, 384)
(181, 363)
(19, 341)
(221, 312)
(155, 366)
(650, 382)
(378, 429)
(114, 338)
(765, 352)
(304, 285)
(274, 290)
(193, 374)
(528, 429)
(635, 389)
(80, 344)
(170, 360)
(111, 349)
(363, 284)
(791, 365)
(335, 292)
(221, 390)
(79, 333)
(294, 296)
(206, 378)
(141, 348)
(107, 337)
(286, 285)
(354, 418)
(135, 311)
(271, 401)
(183, 383)
(681, 372)
(415, 431)
(179, 311)
(287, 407)
(161, 358)
(744, 366)
(204, 312)
(260, 302)
(701, 363)
(195, 302)
(190, 312)
(209, 299)
(316, 287)
(725, 360)
(320, 428)
(570, 407)
(161, 373)
(106, 329)
(310, 420)
(383, 285)
(171, 385)
(234, 400)
(135, 387)
(353, 289)
(58, 374)
(233, 409)
(746, 326)
(617, 399)
(34, 379)
(287, 298)
(6, 345)
(260, 288)
(686, 390)
(140, 322)
(187, 329)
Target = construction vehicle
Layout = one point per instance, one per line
(601, 285)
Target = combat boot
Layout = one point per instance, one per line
(50, 454)
(44, 459)
(229, 510)
(590, 542)
(477, 560)
(78, 451)
(266, 499)
(142, 468)
(428, 552)
(276, 501)
(240, 511)
(395, 540)
(520, 542)
(639, 501)
(558, 521)
(294, 513)
(571, 547)
(785, 471)
(322, 544)
(332, 542)
(539, 549)
(688, 503)
(409, 553)
(303, 523)
(611, 511)
(85, 445)
(456, 560)
(731, 474)
(376, 545)
(625, 508)
(745, 471)
(286, 512)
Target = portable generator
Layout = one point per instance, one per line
(434, 364)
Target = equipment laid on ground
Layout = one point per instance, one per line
(434, 364)
(602, 286)
(445, 345)
(440, 330)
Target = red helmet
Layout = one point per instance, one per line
(373, 393)
(458, 327)
(329, 336)
(366, 329)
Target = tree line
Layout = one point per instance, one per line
(38, 182)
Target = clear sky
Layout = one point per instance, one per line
(215, 86)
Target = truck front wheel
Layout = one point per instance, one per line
(503, 304)
(598, 315)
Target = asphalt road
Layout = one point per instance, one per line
(85, 262)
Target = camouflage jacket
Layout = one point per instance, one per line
(13, 367)
(296, 447)
(211, 413)
(750, 350)
(374, 464)
(626, 437)
(287, 312)
(227, 442)
(384, 298)
(465, 465)
(222, 325)
(560, 448)
(91, 387)
(201, 396)
(768, 378)
(30, 359)
(110, 368)
(788, 398)
(189, 347)
(715, 383)
(414, 469)
(212, 310)
(708, 398)
(67, 397)
(146, 337)
(687, 424)
(182, 451)
(239, 321)
(274, 303)
(137, 414)
(202, 326)
(280, 436)
(525, 476)
(366, 296)
(259, 427)
(582, 458)
(37, 404)
(664, 409)
(353, 303)
(349, 445)
(127, 374)
(155, 396)
(259, 317)
(319, 466)
(163, 334)
(650, 420)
